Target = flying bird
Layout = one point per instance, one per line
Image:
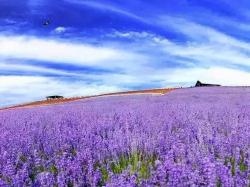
(46, 22)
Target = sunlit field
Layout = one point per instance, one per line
(187, 137)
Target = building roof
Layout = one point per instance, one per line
(200, 84)
(54, 96)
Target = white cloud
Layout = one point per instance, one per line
(220, 75)
(178, 77)
(19, 89)
(24, 47)
(211, 58)
(60, 30)
(132, 35)
(7, 66)
(198, 53)
(205, 47)
(200, 33)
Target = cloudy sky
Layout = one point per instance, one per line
(100, 46)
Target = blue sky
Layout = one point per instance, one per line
(100, 46)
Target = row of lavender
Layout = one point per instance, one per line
(189, 137)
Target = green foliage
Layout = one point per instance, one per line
(54, 170)
(23, 158)
(138, 162)
(97, 165)
(73, 151)
(232, 161)
(123, 163)
(218, 183)
(40, 169)
(144, 171)
(105, 175)
(32, 176)
(242, 165)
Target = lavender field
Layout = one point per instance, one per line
(188, 137)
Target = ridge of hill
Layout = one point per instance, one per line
(64, 100)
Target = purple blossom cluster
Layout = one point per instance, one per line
(188, 137)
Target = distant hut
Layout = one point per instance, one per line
(200, 84)
(54, 97)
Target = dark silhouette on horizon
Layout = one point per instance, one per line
(54, 97)
(200, 84)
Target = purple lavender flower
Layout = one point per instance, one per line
(189, 137)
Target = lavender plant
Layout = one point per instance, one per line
(189, 137)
